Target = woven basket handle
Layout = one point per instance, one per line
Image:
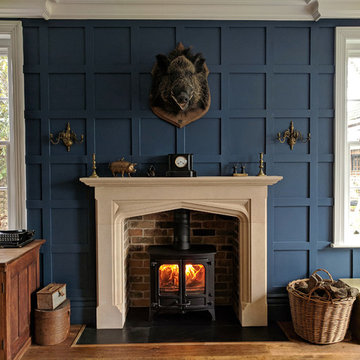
(319, 287)
(325, 271)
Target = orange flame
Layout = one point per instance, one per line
(192, 271)
(195, 277)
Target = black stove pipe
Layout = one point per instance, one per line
(182, 229)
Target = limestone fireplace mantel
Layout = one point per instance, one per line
(120, 198)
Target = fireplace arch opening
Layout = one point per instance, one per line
(206, 230)
(238, 210)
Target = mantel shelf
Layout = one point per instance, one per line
(181, 181)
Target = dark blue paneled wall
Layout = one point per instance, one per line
(96, 75)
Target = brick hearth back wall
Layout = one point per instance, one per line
(96, 75)
(157, 229)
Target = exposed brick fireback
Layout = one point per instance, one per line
(157, 229)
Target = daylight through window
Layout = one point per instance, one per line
(12, 128)
(347, 138)
(353, 126)
(4, 137)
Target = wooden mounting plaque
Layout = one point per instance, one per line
(182, 118)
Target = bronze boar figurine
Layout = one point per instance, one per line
(123, 167)
(179, 92)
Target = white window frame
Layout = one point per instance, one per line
(17, 218)
(344, 36)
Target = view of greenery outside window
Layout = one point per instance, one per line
(4, 138)
(353, 139)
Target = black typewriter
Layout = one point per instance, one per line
(15, 238)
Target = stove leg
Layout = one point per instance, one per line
(151, 314)
(212, 312)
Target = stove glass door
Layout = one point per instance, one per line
(195, 279)
(169, 279)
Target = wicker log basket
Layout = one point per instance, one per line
(316, 320)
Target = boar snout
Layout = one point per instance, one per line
(182, 94)
(182, 99)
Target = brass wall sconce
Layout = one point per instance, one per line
(68, 137)
(292, 135)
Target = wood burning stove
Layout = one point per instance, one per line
(182, 276)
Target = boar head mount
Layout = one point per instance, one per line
(180, 92)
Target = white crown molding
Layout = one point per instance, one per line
(313, 7)
(181, 9)
(47, 10)
(21, 8)
(332, 9)
(157, 9)
(349, 9)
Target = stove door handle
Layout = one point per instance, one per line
(188, 303)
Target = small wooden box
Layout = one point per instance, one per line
(51, 296)
(52, 326)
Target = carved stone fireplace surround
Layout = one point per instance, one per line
(120, 198)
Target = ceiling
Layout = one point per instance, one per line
(181, 9)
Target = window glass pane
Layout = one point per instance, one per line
(4, 101)
(354, 214)
(4, 120)
(3, 210)
(4, 136)
(3, 167)
(353, 122)
(4, 84)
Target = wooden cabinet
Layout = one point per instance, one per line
(19, 279)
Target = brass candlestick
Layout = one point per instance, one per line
(261, 166)
(243, 172)
(94, 174)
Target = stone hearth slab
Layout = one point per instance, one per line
(174, 328)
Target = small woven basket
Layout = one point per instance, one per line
(319, 321)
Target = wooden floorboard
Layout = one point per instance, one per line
(291, 350)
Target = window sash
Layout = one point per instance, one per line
(11, 38)
(347, 44)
